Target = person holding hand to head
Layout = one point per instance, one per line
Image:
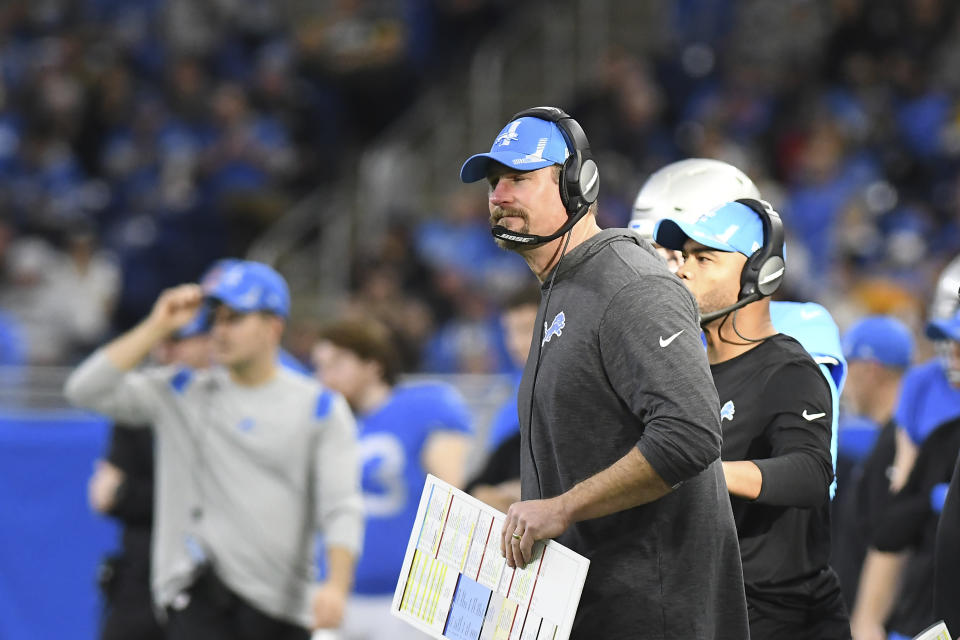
(252, 460)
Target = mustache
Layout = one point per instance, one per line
(499, 213)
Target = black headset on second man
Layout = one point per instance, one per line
(763, 272)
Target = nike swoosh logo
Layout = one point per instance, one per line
(811, 416)
(666, 343)
(809, 315)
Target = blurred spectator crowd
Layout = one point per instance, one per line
(149, 138)
(846, 114)
(141, 140)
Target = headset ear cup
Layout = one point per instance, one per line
(589, 181)
(569, 185)
(770, 276)
(749, 276)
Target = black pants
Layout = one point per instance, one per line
(128, 609)
(214, 612)
(829, 621)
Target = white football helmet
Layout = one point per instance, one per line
(945, 302)
(687, 189)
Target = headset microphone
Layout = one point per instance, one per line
(503, 233)
(707, 318)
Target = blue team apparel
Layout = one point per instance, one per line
(879, 339)
(392, 441)
(291, 362)
(811, 325)
(525, 144)
(506, 422)
(247, 286)
(198, 325)
(857, 435)
(945, 329)
(927, 400)
(732, 227)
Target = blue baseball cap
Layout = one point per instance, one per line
(945, 328)
(881, 339)
(730, 227)
(525, 144)
(247, 286)
(199, 325)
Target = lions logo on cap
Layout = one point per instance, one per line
(508, 136)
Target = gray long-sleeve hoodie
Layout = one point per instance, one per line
(244, 476)
(623, 365)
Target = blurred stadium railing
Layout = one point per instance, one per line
(39, 390)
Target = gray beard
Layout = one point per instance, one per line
(510, 245)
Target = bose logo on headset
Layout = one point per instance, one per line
(515, 238)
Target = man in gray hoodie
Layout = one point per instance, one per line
(619, 416)
(252, 460)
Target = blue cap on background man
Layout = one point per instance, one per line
(525, 144)
(945, 329)
(199, 325)
(879, 339)
(247, 286)
(732, 227)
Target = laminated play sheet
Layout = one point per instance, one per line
(935, 632)
(455, 583)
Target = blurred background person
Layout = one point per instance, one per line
(896, 584)
(222, 435)
(878, 349)
(405, 431)
(121, 487)
(497, 483)
(688, 189)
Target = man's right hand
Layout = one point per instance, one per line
(103, 485)
(867, 630)
(176, 307)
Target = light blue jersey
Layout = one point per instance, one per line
(927, 400)
(811, 325)
(506, 422)
(392, 441)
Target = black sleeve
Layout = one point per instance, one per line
(800, 467)
(502, 465)
(946, 588)
(655, 361)
(131, 451)
(908, 515)
(134, 501)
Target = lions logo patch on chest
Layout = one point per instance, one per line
(727, 411)
(555, 328)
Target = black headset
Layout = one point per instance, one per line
(579, 175)
(763, 272)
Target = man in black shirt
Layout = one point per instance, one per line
(946, 589)
(775, 417)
